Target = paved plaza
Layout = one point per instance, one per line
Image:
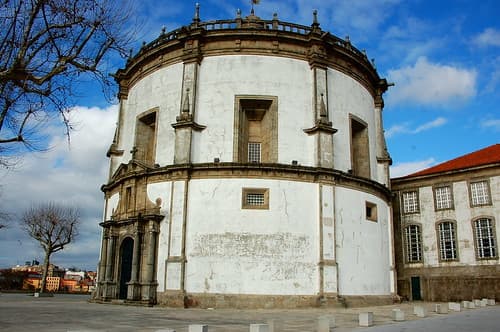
(20, 312)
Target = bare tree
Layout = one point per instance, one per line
(45, 47)
(53, 226)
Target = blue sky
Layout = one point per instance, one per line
(443, 56)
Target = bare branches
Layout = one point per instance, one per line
(47, 46)
(53, 226)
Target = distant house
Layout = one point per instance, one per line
(446, 229)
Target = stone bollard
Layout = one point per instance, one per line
(198, 328)
(471, 305)
(484, 302)
(398, 315)
(325, 323)
(366, 319)
(275, 325)
(420, 311)
(165, 330)
(440, 309)
(465, 304)
(477, 302)
(491, 302)
(259, 328)
(453, 306)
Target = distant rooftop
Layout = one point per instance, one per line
(486, 156)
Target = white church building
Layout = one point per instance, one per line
(248, 169)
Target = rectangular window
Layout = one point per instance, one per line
(255, 198)
(485, 238)
(413, 244)
(410, 202)
(447, 241)
(443, 198)
(479, 193)
(371, 211)
(254, 152)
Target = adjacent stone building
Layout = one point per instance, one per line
(248, 169)
(446, 229)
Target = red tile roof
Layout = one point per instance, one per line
(488, 155)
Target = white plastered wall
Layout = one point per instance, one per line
(221, 78)
(246, 251)
(346, 96)
(363, 248)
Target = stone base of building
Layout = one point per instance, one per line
(452, 283)
(243, 301)
(367, 300)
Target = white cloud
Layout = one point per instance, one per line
(405, 127)
(65, 174)
(493, 123)
(429, 125)
(402, 169)
(489, 37)
(431, 83)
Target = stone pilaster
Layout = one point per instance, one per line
(383, 158)
(186, 124)
(327, 252)
(322, 129)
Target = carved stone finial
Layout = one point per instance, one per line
(315, 19)
(196, 17)
(238, 13)
(275, 16)
(163, 30)
(323, 114)
(185, 104)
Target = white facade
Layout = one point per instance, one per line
(319, 230)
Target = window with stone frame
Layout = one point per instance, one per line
(255, 198)
(443, 197)
(479, 193)
(410, 202)
(413, 243)
(447, 239)
(360, 148)
(255, 129)
(484, 235)
(145, 137)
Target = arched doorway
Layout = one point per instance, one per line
(126, 252)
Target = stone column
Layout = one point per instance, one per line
(150, 283)
(102, 265)
(109, 284)
(134, 289)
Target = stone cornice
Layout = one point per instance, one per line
(261, 171)
(271, 38)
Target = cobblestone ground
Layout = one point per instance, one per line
(20, 312)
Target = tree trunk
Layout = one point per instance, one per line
(45, 271)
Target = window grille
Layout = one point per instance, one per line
(255, 199)
(443, 198)
(447, 241)
(254, 152)
(410, 202)
(479, 193)
(413, 244)
(485, 238)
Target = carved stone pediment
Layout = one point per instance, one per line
(134, 166)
